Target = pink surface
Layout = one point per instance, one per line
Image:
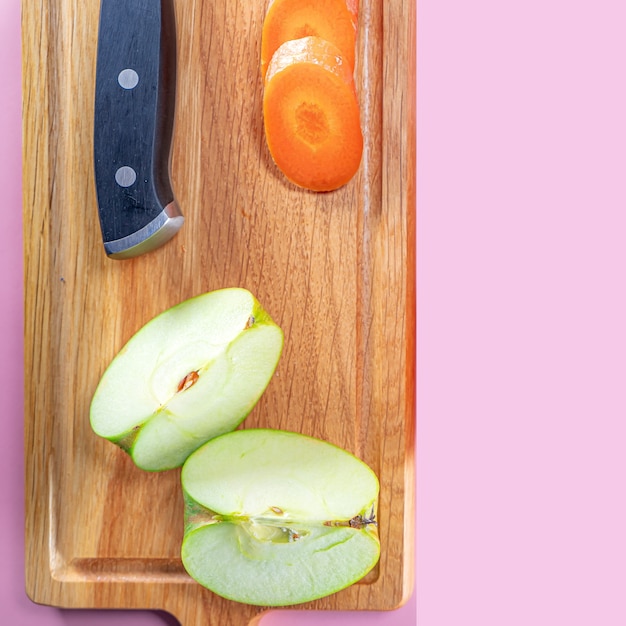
(521, 321)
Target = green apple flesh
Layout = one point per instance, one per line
(274, 518)
(190, 374)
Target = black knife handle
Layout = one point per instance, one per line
(133, 125)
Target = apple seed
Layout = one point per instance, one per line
(188, 381)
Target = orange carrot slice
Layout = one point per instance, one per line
(311, 114)
(333, 20)
(353, 7)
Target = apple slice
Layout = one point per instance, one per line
(275, 518)
(193, 372)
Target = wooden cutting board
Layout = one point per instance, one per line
(335, 270)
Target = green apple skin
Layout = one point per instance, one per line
(193, 372)
(275, 518)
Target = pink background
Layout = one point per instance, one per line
(521, 508)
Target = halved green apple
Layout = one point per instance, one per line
(190, 374)
(275, 518)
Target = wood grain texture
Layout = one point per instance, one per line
(336, 271)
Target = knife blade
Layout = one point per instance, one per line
(135, 99)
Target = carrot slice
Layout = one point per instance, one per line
(353, 7)
(333, 20)
(311, 114)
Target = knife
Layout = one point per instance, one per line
(133, 125)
